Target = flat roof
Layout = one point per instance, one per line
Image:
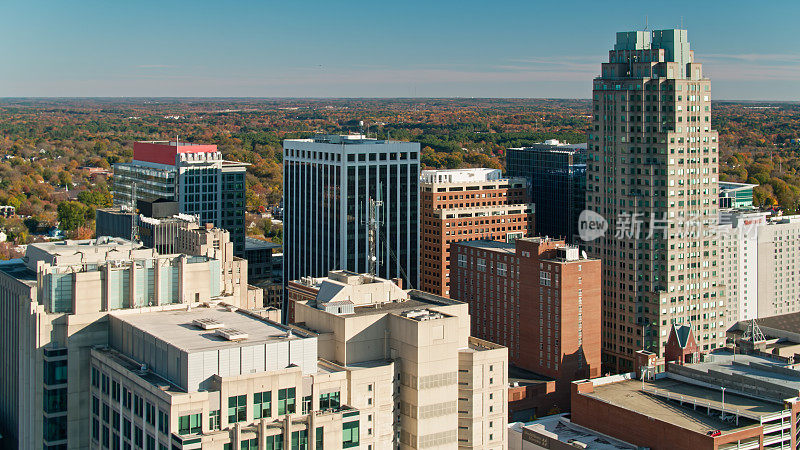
(653, 403)
(176, 328)
(561, 428)
(17, 269)
(750, 366)
(525, 377)
(493, 246)
(251, 243)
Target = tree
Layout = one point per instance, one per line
(71, 215)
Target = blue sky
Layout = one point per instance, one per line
(410, 48)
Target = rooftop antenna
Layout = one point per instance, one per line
(373, 222)
(134, 216)
(753, 333)
(645, 23)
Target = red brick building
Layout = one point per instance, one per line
(538, 297)
(726, 401)
(467, 204)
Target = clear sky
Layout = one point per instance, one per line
(379, 48)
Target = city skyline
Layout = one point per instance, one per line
(436, 49)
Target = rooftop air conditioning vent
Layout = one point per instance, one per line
(231, 334)
(208, 324)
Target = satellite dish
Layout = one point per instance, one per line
(583, 254)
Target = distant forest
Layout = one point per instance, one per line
(48, 145)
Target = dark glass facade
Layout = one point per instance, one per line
(327, 192)
(557, 182)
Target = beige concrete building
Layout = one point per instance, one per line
(778, 264)
(738, 259)
(54, 306)
(449, 390)
(219, 378)
(652, 174)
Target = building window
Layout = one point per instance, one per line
(237, 408)
(213, 420)
(306, 404)
(191, 424)
(300, 440)
(329, 401)
(350, 434)
(481, 265)
(163, 422)
(462, 260)
(318, 439)
(262, 403)
(249, 444)
(501, 269)
(286, 401)
(275, 442)
(544, 278)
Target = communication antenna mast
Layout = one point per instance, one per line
(134, 215)
(373, 222)
(753, 333)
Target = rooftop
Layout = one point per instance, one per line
(654, 402)
(477, 175)
(774, 379)
(251, 243)
(731, 186)
(518, 376)
(553, 145)
(17, 269)
(344, 139)
(492, 246)
(179, 329)
(561, 428)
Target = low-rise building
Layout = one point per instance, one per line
(742, 400)
(557, 432)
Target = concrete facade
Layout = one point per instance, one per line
(264, 389)
(55, 303)
(449, 389)
(467, 204)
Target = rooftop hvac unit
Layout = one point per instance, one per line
(231, 334)
(207, 324)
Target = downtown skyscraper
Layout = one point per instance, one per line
(652, 174)
(333, 188)
(193, 175)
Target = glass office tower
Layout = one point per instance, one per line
(328, 183)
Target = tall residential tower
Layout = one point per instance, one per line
(652, 175)
(333, 187)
